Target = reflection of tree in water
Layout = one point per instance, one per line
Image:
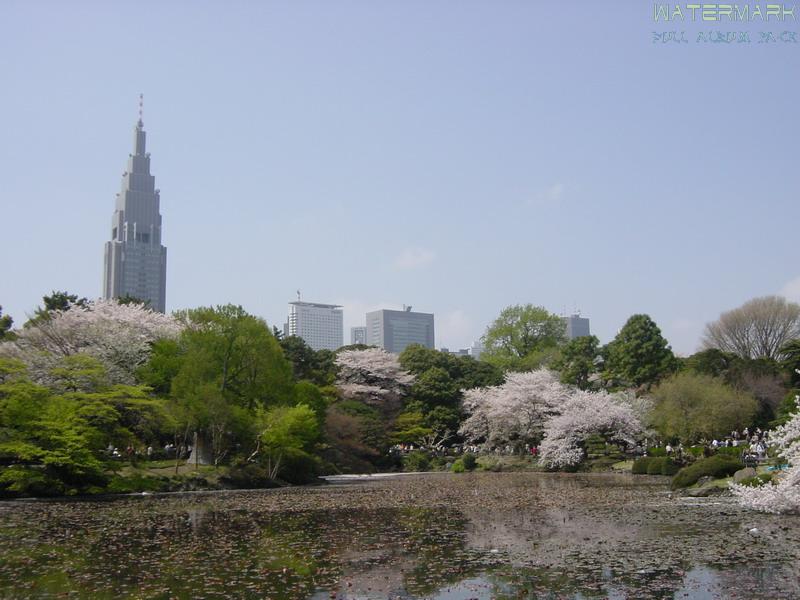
(483, 535)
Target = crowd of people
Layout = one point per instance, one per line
(133, 453)
(753, 444)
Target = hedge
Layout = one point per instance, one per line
(714, 466)
(640, 465)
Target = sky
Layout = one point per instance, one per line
(458, 156)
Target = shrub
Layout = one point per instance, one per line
(696, 451)
(662, 466)
(714, 466)
(300, 467)
(491, 464)
(757, 481)
(733, 451)
(654, 466)
(28, 481)
(137, 483)
(247, 476)
(670, 467)
(470, 462)
(416, 461)
(640, 465)
(656, 451)
(458, 466)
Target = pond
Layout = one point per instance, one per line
(438, 535)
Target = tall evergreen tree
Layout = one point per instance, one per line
(639, 355)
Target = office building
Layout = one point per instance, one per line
(320, 325)
(577, 326)
(461, 352)
(135, 262)
(476, 350)
(358, 335)
(393, 330)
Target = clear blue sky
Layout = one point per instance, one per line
(458, 156)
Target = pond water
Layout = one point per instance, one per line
(447, 536)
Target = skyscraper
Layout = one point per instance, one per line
(393, 330)
(358, 335)
(135, 259)
(576, 326)
(320, 325)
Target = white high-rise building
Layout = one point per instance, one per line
(135, 261)
(320, 325)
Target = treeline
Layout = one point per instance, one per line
(86, 387)
(745, 376)
(82, 379)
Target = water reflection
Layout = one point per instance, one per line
(521, 536)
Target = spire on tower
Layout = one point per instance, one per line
(141, 110)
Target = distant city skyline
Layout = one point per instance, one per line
(461, 157)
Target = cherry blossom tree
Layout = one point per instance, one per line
(119, 335)
(783, 497)
(374, 377)
(515, 412)
(535, 406)
(583, 414)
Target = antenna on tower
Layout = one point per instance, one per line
(298, 295)
(141, 107)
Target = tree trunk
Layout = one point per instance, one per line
(202, 453)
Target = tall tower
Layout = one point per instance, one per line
(135, 260)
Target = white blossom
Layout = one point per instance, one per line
(119, 335)
(514, 412)
(584, 414)
(783, 497)
(373, 376)
(533, 406)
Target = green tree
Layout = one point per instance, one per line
(230, 365)
(55, 301)
(79, 373)
(762, 377)
(639, 355)
(519, 333)
(163, 365)
(464, 371)
(237, 354)
(410, 428)
(312, 396)
(417, 359)
(791, 361)
(318, 366)
(713, 362)
(128, 299)
(695, 407)
(443, 421)
(50, 444)
(435, 387)
(579, 360)
(288, 435)
(5, 326)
